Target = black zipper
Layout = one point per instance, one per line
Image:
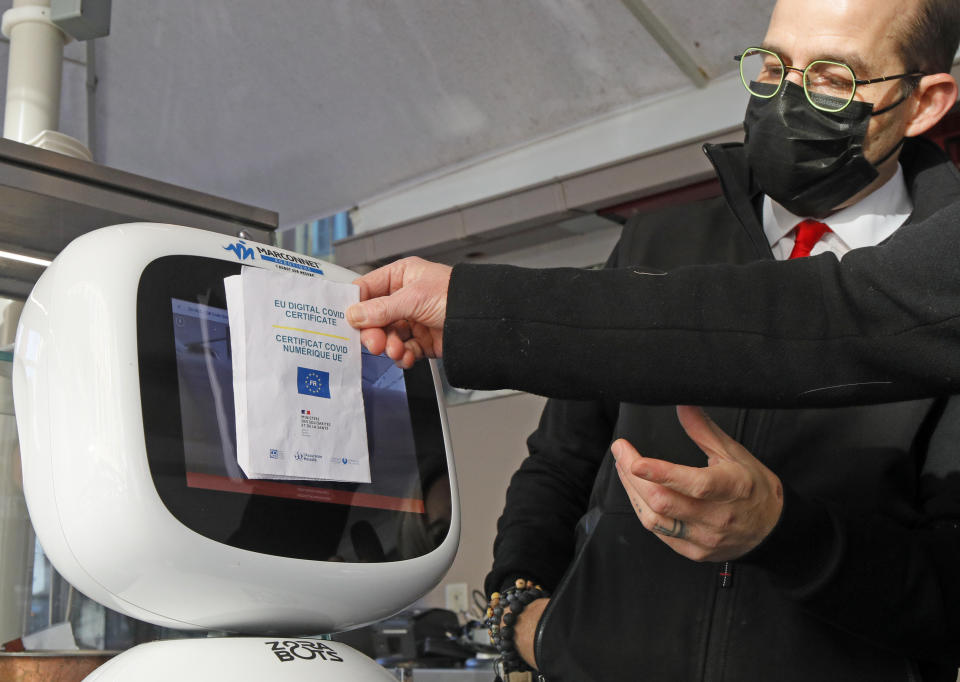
(721, 612)
(726, 568)
(726, 574)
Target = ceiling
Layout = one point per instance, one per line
(310, 107)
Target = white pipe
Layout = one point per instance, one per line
(34, 71)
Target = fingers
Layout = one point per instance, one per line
(672, 528)
(410, 289)
(709, 437)
(406, 361)
(395, 348)
(403, 352)
(430, 340)
(381, 311)
(401, 343)
(378, 305)
(660, 509)
(374, 340)
(716, 483)
(663, 505)
(384, 280)
(390, 340)
(686, 538)
(697, 533)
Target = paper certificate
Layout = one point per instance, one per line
(296, 378)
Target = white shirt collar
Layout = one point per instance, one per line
(866, 223)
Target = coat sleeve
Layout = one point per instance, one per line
(882, 325)
(890, 582)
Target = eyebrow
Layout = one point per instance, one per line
(851, 60)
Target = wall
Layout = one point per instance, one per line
(489, 442)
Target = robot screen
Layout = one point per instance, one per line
(187, 395)
(202, 342)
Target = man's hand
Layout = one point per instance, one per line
(402, 310)
(525, 630)
(715, 513)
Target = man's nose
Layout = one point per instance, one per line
(794, 75)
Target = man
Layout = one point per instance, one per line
(808, 598)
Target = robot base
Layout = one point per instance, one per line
(241, 659)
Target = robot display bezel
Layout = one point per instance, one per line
(265, 524)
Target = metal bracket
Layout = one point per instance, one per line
(672, 45)
(82, 19)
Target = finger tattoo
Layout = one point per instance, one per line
(678, 530)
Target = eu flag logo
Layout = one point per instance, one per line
(313, 382)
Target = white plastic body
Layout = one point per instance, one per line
(88, 485)
(34, 70)
(242, 659)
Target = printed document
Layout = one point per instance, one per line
(296, 378)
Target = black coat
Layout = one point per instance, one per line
(856, 581)
(884, 326)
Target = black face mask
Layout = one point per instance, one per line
(808, 160)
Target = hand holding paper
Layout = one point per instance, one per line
(403, 310)
(296, 375)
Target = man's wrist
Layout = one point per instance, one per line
(512, 636)
(525, 635)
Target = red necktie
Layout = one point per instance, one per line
(807, 233)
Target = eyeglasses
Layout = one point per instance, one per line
(829, 86)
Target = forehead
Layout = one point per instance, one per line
(863, 33)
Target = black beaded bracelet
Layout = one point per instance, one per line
(500, 622)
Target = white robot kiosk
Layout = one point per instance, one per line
(123, 390)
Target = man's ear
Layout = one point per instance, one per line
(935, 95)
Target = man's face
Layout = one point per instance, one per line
(860, 33)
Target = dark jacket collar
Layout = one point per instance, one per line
(743, 196)
(932, 179)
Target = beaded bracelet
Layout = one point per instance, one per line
(500, 623)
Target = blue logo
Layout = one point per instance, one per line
(313, 382)
(241, 251)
